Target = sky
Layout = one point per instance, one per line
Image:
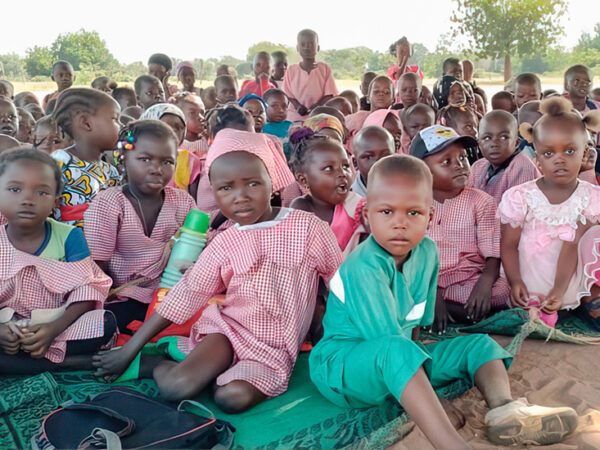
(184, 29)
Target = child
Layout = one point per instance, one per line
(452, 71)
(23, 99)
(465, 229)
(280, 65)
(193, 109)
(409, 89)
(128, 227)
(262, 69)
(381, 96)
(125, 97)
(325, 124)
(594, 94)
(159, 66)
(148, 91)
(528, 87)
(503, 165)
(381, 295)
(548, 223)
(51, 292)
(7, 89)
(209, 97)
(504, 100)
(390, 120)
(365, 82)
(26, 124)
(36, 110)
(104, 84)
(91, 118)
(9, 117)
(257, 108)
(369, 145)
(277, 108)
(48, 138)
(416, 118)
(225, 89)
(62, 75)
(186, 74)
(462, 119)
(427, 98)
(341, 104)
(353, 98)
(578, 82)
(309, 83)
(528, 114)
(270, 288)
(321, 166)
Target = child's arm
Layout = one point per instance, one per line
(10, 336)
(478, 304)
(509, 243)
(300, 108)
(321, 101)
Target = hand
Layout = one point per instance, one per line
(519, 294)
(553, 301)
(38, 338)
(110, 364)
(440, 322)
(302, 110)
(479, 302)
(10, 336)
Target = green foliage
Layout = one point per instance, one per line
(266, 46)
(84, 49)
(38, 61)
(11, 66)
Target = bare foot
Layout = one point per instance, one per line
(457, 418)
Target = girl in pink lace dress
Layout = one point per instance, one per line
(549, 223)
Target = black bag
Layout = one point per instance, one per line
(123, 418)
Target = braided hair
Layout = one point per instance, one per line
(74, 101)
(304, 141)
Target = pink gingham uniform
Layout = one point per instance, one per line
(115, 234)
(466, 231)
(520, 170)
(271, 272)
(29, 282)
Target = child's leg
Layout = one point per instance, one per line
(211, 357)
(492, 380)
(126, 312)
(238, 396)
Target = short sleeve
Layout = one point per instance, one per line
(324, 248)
(76, 247)
(488, 226)
(329, 87)
(101, 224)
(592, 211)
(513, 207)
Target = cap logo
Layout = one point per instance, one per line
(445, 132)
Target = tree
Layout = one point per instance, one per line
(587, 41)
(505, 28)
(266, 46)
(84, 49)
(11, 66)
(38, 61)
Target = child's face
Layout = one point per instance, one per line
(450, 168)
(105, 126)
(277, 107)
(327, 174)
(416, 122)
(9, 119)
(559, 150)
(392, 124)
(63, 76)
(409, 92)
(151, 94)
(578, 84)
(257, 110)
(455, 70)
(26, 124)
(466, 125)
(381, 94)
(281, 66)
(398, 211)
(176, 125)
(157, 70)
(369, 151)
(456, 95)
(526, 92)
(308, 46)
(48, 139)
(262, 66)
(28, 193)
(194, 116)
(226, 92)
(497, 140)
(187, 77)
(242, 187)
(151, 164)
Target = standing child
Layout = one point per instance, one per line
(186, 74)
(465, 229)
(380, 297)
(280, 65)
(159, 66)
(250, 344)
(369, 145)
(225, 89)
(62, 75)
(91, 118)
(128, 227)
(309, 83)
(549, 223)
(149, 91)
(503, 164)
(528, 88)
(261, 65)
(51, 292)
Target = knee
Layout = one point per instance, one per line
(175, 385)
(237, 397)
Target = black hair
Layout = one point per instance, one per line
(20, 98)
(143, 79)
(230, 116)
(503, 115)
(502, 95)
(31, 154)
(279, 54)
(124, 92)
(162, 59)
(274, 92)
(112, 84)
(385, 78)
(223, 78)
(405, 165)
(578, 68)
(481, 92)
(528, 78)
(402, 41)
(146, 127)
(61, 62)
(74, 101)
(452, 61)
(419, 107)
(10, 85)
(303, 146)
(306, 32)
(557, 108)
(448, 115)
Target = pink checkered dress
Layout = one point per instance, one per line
(270, 271)
(520, 170)
(29, 282)
(115, 234)
(466, 231)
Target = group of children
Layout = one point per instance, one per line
(338, 223)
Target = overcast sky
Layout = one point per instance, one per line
(205, 28)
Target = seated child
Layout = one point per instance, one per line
(91, 118)
(48, 138)
(26, 125)
(504, 100)
(409, 89)
(225, 89)
(257, 107)
(186, 74)
(308, 84)
(9, 122)
(23, 99)
(62, 75)
(104, 84)
(321, 166)
(379, 298)
(326, 123)
(550, 222)
(416, 118)
(148, 91)
(280, 65)
(341, 104)
(192, 107)
(503, 165)
(528, 114)
(365, 82)
(125, 97)
(390, 120)
(7, 89)
(369, 145)
(465, 229)
(353, 98)
(51, 292)
(128, 227)
(528, 87)
(277, 123)
(381, 96)
(250, 343)
(262, 69)
(36, 110)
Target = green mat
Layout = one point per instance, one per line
(300, 418)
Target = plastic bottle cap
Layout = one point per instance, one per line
(197, 220)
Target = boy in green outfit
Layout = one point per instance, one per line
(380, 296)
